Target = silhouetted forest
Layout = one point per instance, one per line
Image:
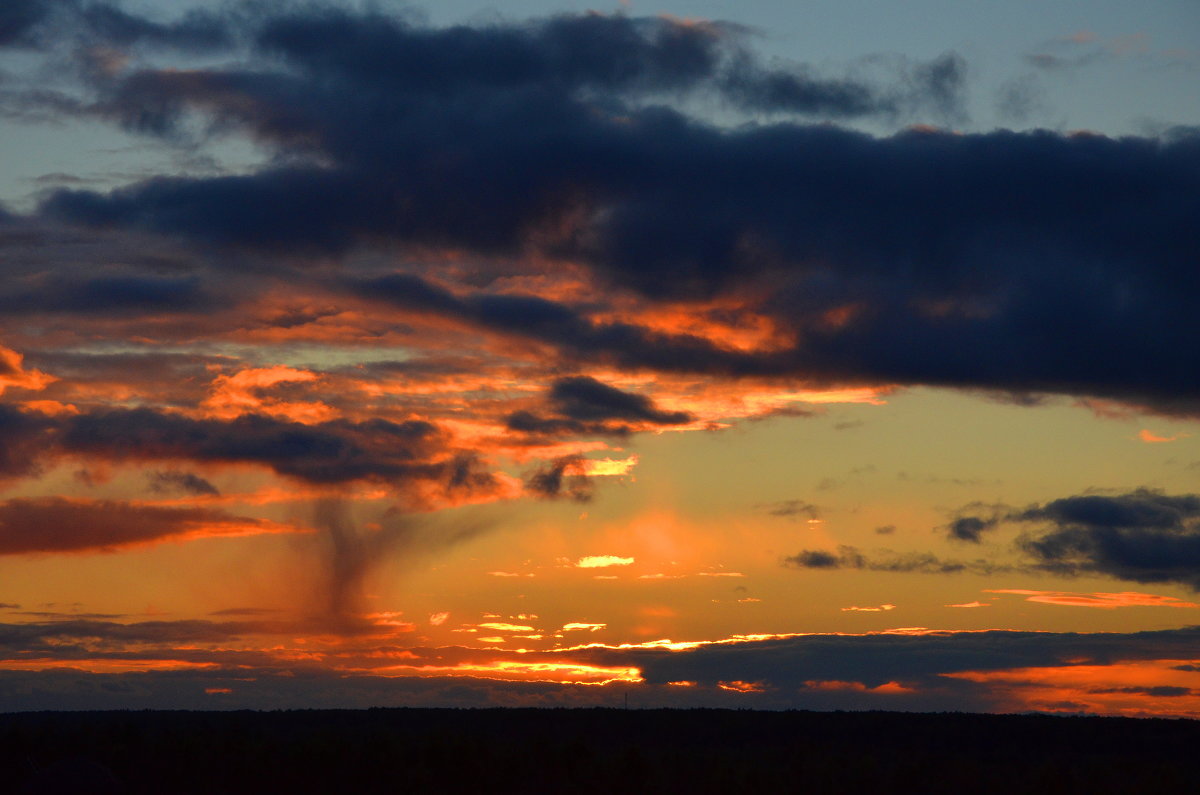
(596, 750)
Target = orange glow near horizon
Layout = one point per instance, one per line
(1153, 688)
(516, 670)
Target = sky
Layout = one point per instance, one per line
(829, 356)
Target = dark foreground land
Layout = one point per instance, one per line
(598, 750)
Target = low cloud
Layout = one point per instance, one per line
(56, 524)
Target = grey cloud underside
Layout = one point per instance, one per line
(1025, 262)
(582, 405)
(45, 24)
(1143, 536)
(331, 452)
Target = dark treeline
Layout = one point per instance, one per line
(600, 750)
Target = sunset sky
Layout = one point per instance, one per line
(826, 355)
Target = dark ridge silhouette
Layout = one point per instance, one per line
(592, 750)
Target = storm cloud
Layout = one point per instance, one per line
(949, 259)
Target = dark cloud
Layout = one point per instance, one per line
(791, 509)
(874, 660)
(70, 634)
(848, 557)
(23, 436)
(754, 86)
(187, 482)
(196, 30)
(582, 405)
(1143, 509)
(970, 528)
(54, 524)
(817, 559)
(337, 451)
(790, 669)
(18, 19)
(49, 23)
(331, 452)
(582, 397)
(975, 247)
(556, 137)
(1143, 536)
(561, 325)
(109, 295)
(562, 477)
(1157, 691)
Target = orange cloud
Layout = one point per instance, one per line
(1151, 438)
(242, 393)
(607, 466)
(738, 686)
(1161, 688)
(500, 626)
(1104, 601)
(879, 609)
(14, 375)
(602, 561)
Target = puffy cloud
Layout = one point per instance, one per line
(391, 133)
(583, 405)
(969, 528)
(1142, 536)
